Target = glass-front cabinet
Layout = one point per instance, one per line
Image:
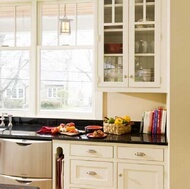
(144, 52)
(129, 44)
(113, 46)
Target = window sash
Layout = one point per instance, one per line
(35, 72)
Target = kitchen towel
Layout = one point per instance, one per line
(45, 129)
(60, 172)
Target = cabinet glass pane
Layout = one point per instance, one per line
(113, 69)
(144, 13)
(150, 1)
(118, 1)
(107, 14)
(118, 14)
(113, 42)
(144, 41)
(107, 2)
(139, 13)
(150, 12)
(144, 47)
(144, 68)
(113, 11)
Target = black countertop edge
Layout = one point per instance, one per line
(125, 138)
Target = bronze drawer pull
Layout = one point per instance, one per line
(91, 151)
(92, 173)
(141, 154)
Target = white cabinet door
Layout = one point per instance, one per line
(112, 64)
(144, 36)
(129, 46)
(134, 176)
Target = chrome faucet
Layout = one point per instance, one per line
(10, 125)
(2, 120)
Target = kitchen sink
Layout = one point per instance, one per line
(20, 133)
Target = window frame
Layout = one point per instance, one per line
(34, 67)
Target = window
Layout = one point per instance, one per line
(15, 42)
(15, 93)
(49, 74)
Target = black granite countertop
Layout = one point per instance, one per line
(132, 138)
(32, 126)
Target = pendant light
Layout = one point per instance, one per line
(65, 24)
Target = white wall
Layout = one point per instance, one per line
(132, 104)
(180, 95)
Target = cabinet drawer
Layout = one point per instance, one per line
(41, 183)
(92, 151)
(32, 158)
(146, 154)
(92, 173)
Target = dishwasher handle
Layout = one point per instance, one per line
(23, 181)
(23, 143)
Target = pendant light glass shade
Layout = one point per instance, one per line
(65, 24)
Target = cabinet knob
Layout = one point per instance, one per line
(92, 173)
(140, 154)
(131, 76)
(125, 76)
(91, 151)
(120, 175)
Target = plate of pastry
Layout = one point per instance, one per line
(97, 134)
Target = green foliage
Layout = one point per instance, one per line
(46, 104)
(13, 103)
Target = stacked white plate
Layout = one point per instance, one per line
(148, 74)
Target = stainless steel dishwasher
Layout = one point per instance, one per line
(26, 162)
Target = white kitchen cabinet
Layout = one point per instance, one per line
(92, 173)
(90, 165)
(143, 169)
(86, 165)
(129, 46)
(142, 154)
(136, 176)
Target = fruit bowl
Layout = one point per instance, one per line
(117, 129)
(117, 125)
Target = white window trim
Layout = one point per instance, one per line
(34, 111)
(97, 109)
